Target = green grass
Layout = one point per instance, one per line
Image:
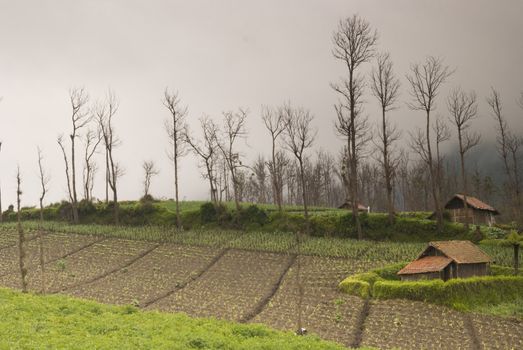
(58, 322)
(186, 206)
(505, 309)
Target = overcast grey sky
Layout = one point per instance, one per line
(221, 55)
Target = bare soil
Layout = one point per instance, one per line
(248, 286)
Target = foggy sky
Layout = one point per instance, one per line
(221, 55)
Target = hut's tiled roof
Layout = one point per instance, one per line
(475, 203)
(348, 205)
(462, 252)
(426, 264)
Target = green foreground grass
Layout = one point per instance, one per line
(58, 322)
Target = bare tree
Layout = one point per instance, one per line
(442, 132)
(175, 127)
(503, 139)
(92, 140)
(60, 141)
(105, 113)
(463, 110)
(44, 185)
(207, 152)
(299, 136)
(149, 171)
(354, 43)
(385, 87)
(234, 128)
(514, 144)
(21, 236)
(79, 117)
(425, 81)
(275, 123)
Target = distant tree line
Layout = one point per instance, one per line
(371, 168)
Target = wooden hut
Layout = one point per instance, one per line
(479, 213)
(348, 205)
(446, 260)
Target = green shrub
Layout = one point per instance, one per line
(496, 270)
(208, 212)
(414, 290)
(460, 293)
(252, 216)
(493, 232)
(389, 272)
(356, 287)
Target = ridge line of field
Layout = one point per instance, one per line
(74, 251)
(32, 238)
(469, 326)
(180, 286)
(265, 300)
(360, 324)
(107, 273)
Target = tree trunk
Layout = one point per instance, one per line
(41, 245)
(175, 159)
(517, 193)
(300, 285)
(21, 239)
(304, 194)
(275, 180)
(433, 180)
(74, 203)
(386, 164)
(464, 179)
(106, 176)
(516, 259)
(353, 159)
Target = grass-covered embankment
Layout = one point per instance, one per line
(501, 293)
(58, 322)
(323, 222)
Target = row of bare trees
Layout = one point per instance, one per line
(98, 119)
(371, 168)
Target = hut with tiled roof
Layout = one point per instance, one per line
(348, 205)
(479, 213)
(447, 259)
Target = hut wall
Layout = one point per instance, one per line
(475, 217)
(421, 276)
(471, 270)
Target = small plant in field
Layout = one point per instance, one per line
(135, 303)
(338, 317)
(60, 264)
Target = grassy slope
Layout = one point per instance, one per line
(195, 205)
(58, 322)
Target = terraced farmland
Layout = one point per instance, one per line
(222, 279)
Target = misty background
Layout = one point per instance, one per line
(220, 56)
